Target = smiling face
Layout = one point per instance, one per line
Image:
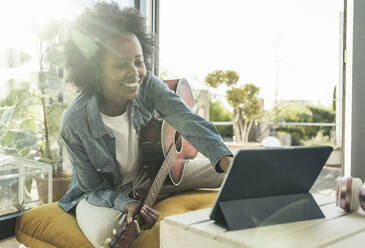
(122, 69)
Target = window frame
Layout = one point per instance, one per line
(353, 87)
(150, 10)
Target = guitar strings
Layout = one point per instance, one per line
(161, 175)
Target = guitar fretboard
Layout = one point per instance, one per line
(161, 175)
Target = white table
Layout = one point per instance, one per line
(338, 229)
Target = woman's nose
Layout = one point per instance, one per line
(133, 71)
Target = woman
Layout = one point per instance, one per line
(108, 55)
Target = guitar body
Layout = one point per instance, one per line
(158, 136)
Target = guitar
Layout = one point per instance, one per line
(175, 150)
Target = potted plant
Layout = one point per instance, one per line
(50, 83)
(30, 114)
(17, 136)
(29, 128)
(50, 151)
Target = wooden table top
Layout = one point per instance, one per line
(337, 229)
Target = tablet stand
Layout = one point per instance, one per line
(247, 213)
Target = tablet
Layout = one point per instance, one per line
(264, 173)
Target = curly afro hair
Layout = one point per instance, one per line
(85, 45)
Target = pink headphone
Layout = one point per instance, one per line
(350, 194)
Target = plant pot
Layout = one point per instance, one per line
(59, 187)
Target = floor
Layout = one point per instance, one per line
(325, 184)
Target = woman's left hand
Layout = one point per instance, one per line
(150, 216)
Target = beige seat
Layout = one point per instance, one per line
(49, 226)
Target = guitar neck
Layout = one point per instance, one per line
(124, 238)
(161, 176)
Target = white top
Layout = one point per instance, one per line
(126, 144)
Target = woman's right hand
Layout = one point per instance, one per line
(149, 215)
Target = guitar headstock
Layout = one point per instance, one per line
(126, 236)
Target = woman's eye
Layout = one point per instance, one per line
(120, 66)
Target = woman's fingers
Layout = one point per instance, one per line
(150, 216)
(152, 212)
(131, 208)
(148, 219)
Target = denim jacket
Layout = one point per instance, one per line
(91, 148)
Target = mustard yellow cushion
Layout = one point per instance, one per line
(49, 226)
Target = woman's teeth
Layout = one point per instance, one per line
(134, 84)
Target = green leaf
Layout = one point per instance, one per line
(25, 139)
(54, 115)
(29, 124)
(230, 77)
(8, 138)
(19, 139)
(24, 152)
(215, 78)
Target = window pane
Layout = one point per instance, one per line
(289, 49)
(32, 83)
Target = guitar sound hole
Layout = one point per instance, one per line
(178, 142)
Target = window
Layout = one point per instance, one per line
(289, 49)
(33, 97)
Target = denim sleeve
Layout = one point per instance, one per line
(98, 190)
(199, 132)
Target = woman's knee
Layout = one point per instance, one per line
(99, 224)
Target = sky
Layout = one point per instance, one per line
(286, 46)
